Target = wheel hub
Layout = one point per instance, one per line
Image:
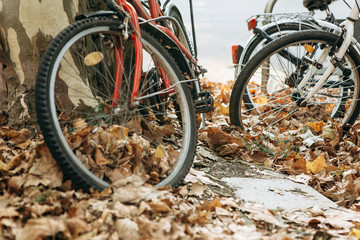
(296, 97)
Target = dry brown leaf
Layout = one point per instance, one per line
(132, 189)
(77, 226)
(211, 206)
(99, 157)
(125, 211)
(356, 233)
(121, 172)
(300, 165)
(9, 212)
(119, 132)
(197, 189)
(221, 109)
(37, 229)
(24, 145)
(216, 138)
(146, 227)
(201, 217)
(228, 149)
(16, 161)
(80, 123)
(18, 136)
(258, 157)
(167, 130)
(107, 140)
(39, 210)
(127, 229)
(158, 206)
(44, 170)
(75, 141)
(139, 146)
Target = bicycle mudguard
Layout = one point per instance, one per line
(264, 28)
(170, 8)
(96, 14)
(171, 46)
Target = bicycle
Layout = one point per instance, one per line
(117, 94)
(268, 26)
(310, 76)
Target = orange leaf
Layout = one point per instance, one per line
(300, 165)
(316, 166)
(160, 152)
(356, 233)
(317, 126)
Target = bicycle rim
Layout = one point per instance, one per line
(98, 139)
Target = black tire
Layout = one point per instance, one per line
(97, 140)
(266, 110)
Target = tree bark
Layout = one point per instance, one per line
(26, 29)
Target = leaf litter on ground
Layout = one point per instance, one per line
(36, 202)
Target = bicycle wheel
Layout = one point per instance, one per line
(277, 105)
(98, 140)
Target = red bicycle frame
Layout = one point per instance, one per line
(136, 10)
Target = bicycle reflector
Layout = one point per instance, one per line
(236, 53)
(251, 24)
(309, 48)
(93, 58)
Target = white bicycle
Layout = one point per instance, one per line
(269, 26)
(308, 76)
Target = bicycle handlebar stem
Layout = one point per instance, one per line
(270, 6)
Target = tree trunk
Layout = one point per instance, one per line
(26, 29)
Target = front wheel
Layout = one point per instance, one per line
(85, 115)
(278, 106)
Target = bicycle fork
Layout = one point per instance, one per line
(120, 59)
(336, 60)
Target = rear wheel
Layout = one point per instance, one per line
(97, 138)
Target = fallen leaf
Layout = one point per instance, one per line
(9, 212)
(36, 229)
(80, 123)
(99, 157)
(227, 149)
(77, 226)
(317, 126)
(356, 233)
(160, 152)
(127, 229)
(317, 165)
(158, 206)
(197, 189)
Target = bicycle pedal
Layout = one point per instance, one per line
(205, 102)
